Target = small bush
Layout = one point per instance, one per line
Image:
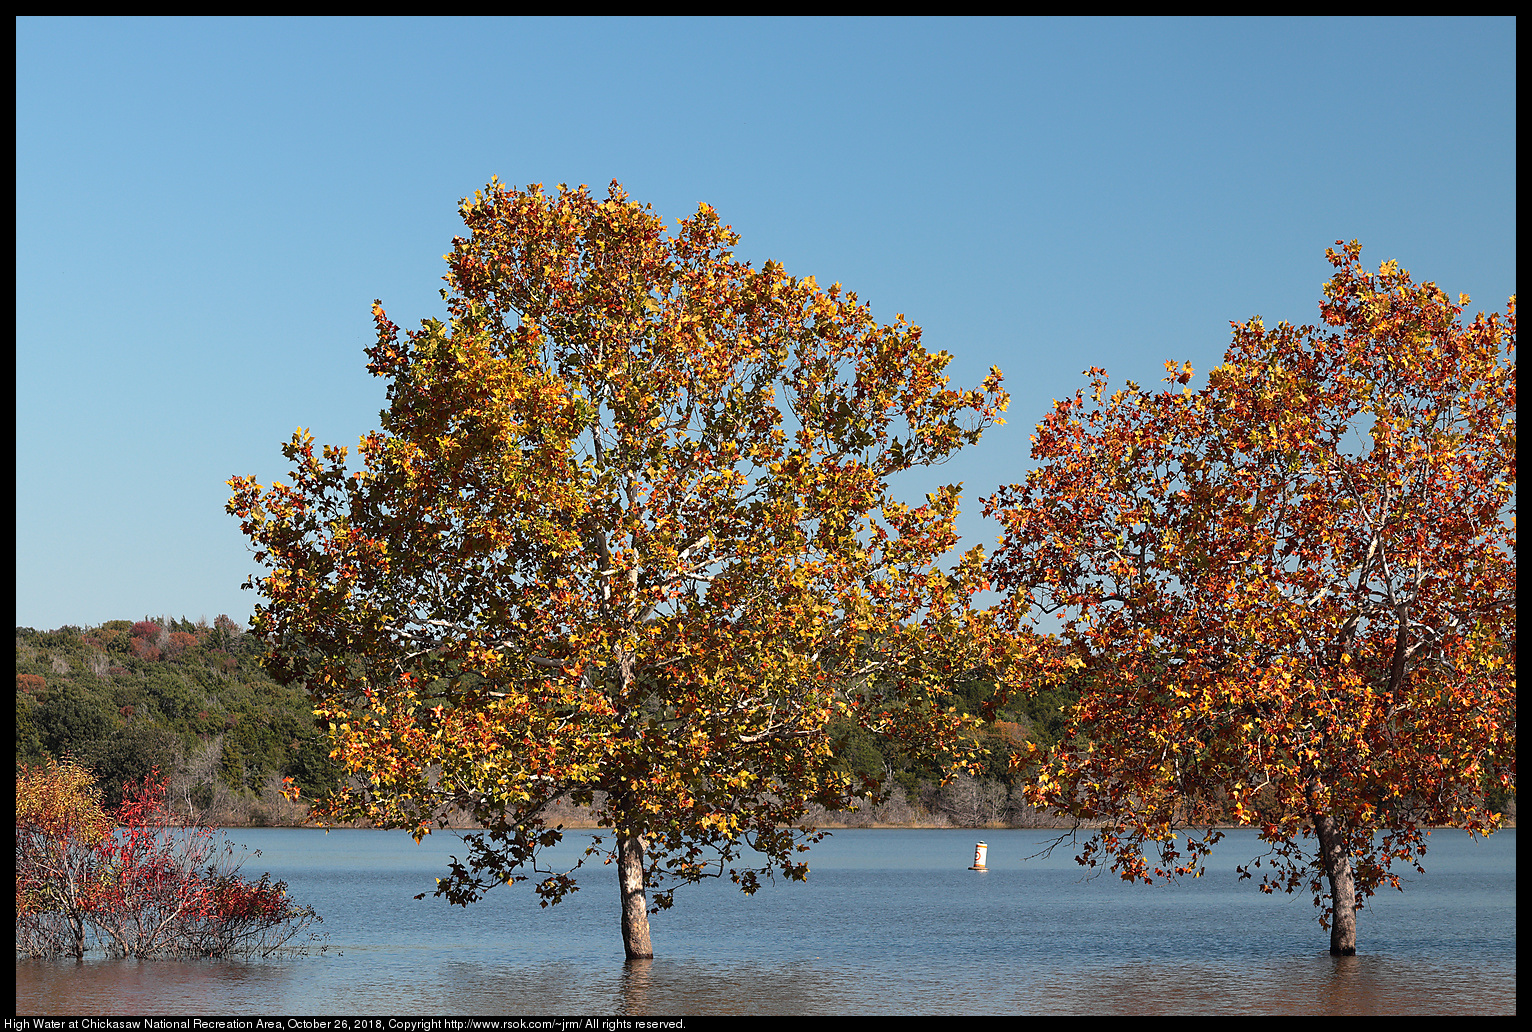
(152, 888)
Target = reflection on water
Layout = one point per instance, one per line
(890, 922)
(1318, 984)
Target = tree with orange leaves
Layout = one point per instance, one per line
(60, 825)
(625, 537)
(1291, 592)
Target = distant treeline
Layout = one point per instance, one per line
(191, 699)
(188, 698)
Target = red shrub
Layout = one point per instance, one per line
(155, 888)
(30, 683)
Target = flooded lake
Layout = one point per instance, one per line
(889, 922)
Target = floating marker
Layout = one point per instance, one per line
(978, 857)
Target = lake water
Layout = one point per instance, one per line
(890, 921)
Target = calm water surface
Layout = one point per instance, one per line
(890, 921)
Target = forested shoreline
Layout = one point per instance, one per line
(186, 697)
(191, 699)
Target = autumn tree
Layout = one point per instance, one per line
(625, 536)
(179, 643)
(1291, 593)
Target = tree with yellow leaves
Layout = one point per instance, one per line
(625, 536)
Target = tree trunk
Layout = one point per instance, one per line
(1337, 866)
(635, 902)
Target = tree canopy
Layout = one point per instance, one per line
(1290, 593)
(625, 535)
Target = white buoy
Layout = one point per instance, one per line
(978, 857)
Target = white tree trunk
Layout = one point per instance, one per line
(635, 902)
(1342, 886)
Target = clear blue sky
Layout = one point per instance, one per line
(205, 210)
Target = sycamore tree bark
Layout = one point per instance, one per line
(635, 901)
(1337, 866)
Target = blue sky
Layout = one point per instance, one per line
(206, 208)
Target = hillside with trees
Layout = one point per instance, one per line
(192, 699)
(188, 698)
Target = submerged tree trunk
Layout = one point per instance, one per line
(635, 902)
(1337, 866)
